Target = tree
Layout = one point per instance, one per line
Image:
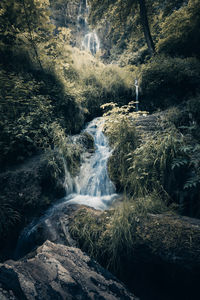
(145, 25)
(23, 25)
(119, 11)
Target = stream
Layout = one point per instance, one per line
(92, 187)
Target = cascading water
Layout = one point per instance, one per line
(90, 40)
(137, 94)
(92, 187)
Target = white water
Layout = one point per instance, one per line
(137, 94)
(92, 187)
(90, 40)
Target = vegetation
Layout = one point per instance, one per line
(49, 89)
(114, 237)
(167, 81)
(180, 31)
(144, 161)
(47, 92)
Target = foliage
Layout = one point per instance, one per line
(23, 25)
(185, 118)
(163, 161)
(119, 26)
(124, 222)
(180, 31)
(96, 83)
(150, 163)
(119, 124)
(120, 128)
(31, 119)
(8, 217)
(166, 81)
(110, 236)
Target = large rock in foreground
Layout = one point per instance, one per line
(58, 272)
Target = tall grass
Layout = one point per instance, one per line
(112, 235)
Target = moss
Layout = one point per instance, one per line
(108, 236)
(131, 234)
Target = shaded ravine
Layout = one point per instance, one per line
(92, 187)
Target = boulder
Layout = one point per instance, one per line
(58, 272)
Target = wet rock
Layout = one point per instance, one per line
(58, 272)
(52, 227)
(85, 140)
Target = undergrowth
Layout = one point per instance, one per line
(110, 236)
(163, 160)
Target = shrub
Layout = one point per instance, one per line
(168, 81)
(119, 126)
(98, 83)
(180, 32)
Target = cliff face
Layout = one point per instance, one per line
(70, 14)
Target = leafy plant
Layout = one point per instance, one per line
(9, 216)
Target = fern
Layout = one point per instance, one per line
(178, 162)
(192, 182)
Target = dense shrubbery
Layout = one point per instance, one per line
(167, 81)
(98, 83)
(162, 160)
(33, 116)
(180, 31)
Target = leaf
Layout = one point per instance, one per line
(178, 162)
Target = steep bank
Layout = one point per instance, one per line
(28, 189)
(156, 155)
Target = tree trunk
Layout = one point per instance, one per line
(145, 25)
(31, 35)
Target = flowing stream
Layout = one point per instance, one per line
(92, 187)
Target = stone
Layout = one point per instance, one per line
(56, 271)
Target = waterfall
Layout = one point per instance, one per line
(90, 41)
(92, 187)
(137, 94)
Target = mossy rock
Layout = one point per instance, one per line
(164, 249)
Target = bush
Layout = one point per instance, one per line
(120, 128)
(168, 81)
(98, 83)
(180, 31)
